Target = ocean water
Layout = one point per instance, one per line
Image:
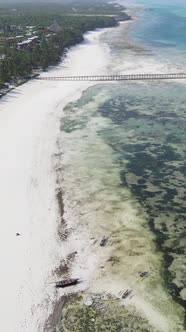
(123, 149)
(162, 24)
(161, 27)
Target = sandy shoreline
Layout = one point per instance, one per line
(30, 123)
(34, 179)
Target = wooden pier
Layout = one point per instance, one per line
(131, 77)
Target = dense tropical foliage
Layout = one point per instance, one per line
(15, 64)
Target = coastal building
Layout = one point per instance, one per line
(55, 27)
(27, 44)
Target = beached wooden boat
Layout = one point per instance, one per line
(66, 282)
(143, 274)
(103, 241)
(126, 293)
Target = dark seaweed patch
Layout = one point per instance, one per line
(170, 194)
(170, 138)
(182, 169)
(168, 153)
(121, 112)
(141, 181)
(154, 168)
(153, 152)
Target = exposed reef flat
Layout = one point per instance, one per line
(96, 312)
(153, 153)
(119, 170)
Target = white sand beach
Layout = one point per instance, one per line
(29, 118)
(30, 133)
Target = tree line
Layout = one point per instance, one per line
(16, 65)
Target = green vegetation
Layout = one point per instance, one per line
(104, 315)
(20, 57)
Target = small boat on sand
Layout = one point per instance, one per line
(125, 294)
(66, 282)
(103, 241)
(143, 274)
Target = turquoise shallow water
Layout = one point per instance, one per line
(163, 24)
(124, 145)
(161, 27)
